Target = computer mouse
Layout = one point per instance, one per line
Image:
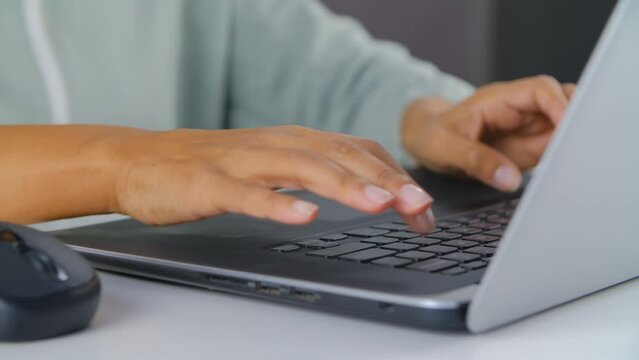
(46, 289)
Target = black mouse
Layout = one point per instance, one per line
(46, 289)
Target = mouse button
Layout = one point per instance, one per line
(43, 263)
(19, 280)
(74, 267)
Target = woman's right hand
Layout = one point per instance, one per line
(185, 175)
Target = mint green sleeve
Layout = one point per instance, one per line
(295, 62)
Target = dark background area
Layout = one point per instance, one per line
(488, 40)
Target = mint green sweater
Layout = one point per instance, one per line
(162, 64)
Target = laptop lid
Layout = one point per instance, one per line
(575, 230)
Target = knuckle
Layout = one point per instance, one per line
(372, 146)
(344, 148)
(386, 175)
(546, 80)
(300, 157)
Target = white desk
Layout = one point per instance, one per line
(140, 319)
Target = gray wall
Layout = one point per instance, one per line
(454, 34)
(487, 40)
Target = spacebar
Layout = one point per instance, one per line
(340, 250)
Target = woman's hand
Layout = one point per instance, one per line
(493, 135)
(185, 175)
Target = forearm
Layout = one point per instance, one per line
(51, 172)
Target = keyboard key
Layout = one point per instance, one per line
(498, 219)
(460, 244)
(423, 241)
(439, 249)
(402, 235)
(467, 219)
(481, 238)
(461, 257)
(316, 244)
(493, 244)
(366, 232)
(498, 232)
(483, 251)
(465, 230)
(285, 248)
(380, 240)
(507, 213)
(400, 246)
(391, 261)
(448, 224)
(443, 236)
(340, 250)
(334, 237)
(391, 226)
(416, 255)
(366, 255)
(454, 271)
(487, 226)
(484, 215)
(432, 265)
(475, 265)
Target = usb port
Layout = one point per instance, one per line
(269, 289)
(305, 296)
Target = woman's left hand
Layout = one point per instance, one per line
(493, 135)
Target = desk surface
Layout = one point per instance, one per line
(156, 320)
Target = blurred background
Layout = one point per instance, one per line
(487, 40)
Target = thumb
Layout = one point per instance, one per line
(483, 163)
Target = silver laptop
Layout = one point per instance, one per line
(493, 259)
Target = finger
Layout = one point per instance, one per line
(258, 201)
(498, 104)
(411, 198)
(524, 151)
(569, 89)
(377, 150)
(482, 162)
(539, 94)
(422, 223)
(313, 172)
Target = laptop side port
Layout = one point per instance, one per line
(229, 281)
(261, 287)
(301, 295)
(269, 289)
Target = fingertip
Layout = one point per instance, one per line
(413, 199)
(557, 115)
(423, 222)
(507, 178)
(377, 196)
(302, 212)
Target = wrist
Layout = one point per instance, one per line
(114, 151)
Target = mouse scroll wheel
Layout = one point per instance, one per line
(42, 263)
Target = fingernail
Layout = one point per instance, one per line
(507, 178)
(377, 195)
(414, 195)
(426, 221)
(304, 208)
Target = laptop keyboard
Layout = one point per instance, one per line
(458, 245)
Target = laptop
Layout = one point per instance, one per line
(493, 259)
